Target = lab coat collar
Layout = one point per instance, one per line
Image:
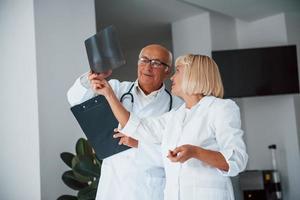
(204, 102)
(184, 114)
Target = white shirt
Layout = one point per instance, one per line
(212, 124)
(137, 173)
(145, 99)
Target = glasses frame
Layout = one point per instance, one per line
(152, 62)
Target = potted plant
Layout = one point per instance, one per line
(84, 172)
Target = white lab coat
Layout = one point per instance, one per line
(212, 124)
(137, 173)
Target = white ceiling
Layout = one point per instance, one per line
(152, 18)
(142, 17)
(247, 10)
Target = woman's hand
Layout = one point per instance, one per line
(182, 153)
(125, 140)
(212, 158)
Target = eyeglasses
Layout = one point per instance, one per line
(153, 62)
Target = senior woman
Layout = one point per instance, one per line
(201, 142)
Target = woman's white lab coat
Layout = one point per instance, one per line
(212, 124)
(137, 173)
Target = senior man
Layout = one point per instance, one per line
(137, 173)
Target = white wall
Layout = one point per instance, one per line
(223, 32)
(270, 31)
(266, 120)
(61, 28)
(19, 149)
(192, 35)
(293, 31)
(297, 113)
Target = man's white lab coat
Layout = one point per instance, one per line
(137, 173)
(212, 124)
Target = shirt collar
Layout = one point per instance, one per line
(139, 90)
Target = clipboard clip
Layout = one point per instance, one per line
(92, 103)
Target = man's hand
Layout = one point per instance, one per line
(102, 87)
(99, 76)
(182, 153)
(99, 84)
(125, 140)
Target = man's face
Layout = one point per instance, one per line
(151, 76)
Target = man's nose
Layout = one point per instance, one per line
(148, 67)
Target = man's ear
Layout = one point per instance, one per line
(168, 71)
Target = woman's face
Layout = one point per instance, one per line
(177, 81)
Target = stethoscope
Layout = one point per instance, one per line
(132, 98)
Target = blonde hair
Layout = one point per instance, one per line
(200, 75)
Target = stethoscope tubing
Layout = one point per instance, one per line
(132, 98)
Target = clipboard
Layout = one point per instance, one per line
(98, 122)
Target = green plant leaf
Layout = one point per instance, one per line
(98, 162)
(67, 197)
(70, 180)
(86, 167)
(94, 184)
(81, 173)
(75, 160)
(87, 193)
(67, 158)
(82, 178)
(84, 148)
